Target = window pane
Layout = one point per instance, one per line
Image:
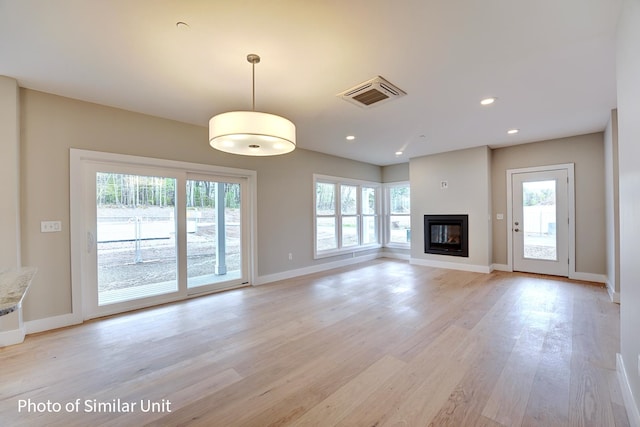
(348, 201)
(213, 235)
(136, 244)
(369, 229)
(539, 221)
(400, 229)
(400, 200)
(326, 234)
(368, 201)
(349, 231)
(325, 199)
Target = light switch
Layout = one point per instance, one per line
(499, 216)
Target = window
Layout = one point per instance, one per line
(369, 215)
(346, 215)
(398, 215)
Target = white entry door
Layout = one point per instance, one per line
(540, 222)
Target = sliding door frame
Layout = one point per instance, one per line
(79, 223)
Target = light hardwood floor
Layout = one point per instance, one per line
(383, 343)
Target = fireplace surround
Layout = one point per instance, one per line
(446, 235)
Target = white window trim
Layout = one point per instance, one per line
(338, 215)
(387, 215)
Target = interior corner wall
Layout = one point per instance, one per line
(51, 125)
(395, 173)
(9, 174)
(587, 153)
(628, 87)
(612, 204)
(466, 173)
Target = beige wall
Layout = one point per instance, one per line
(628, 70)
(395, 173)
(587, 152)
(467, 173)
(612, 207)
(51, 125)
(9, 174)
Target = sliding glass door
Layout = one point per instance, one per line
(214, 232)
(156, 234)
(136, 236)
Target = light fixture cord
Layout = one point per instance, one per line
(253, 72)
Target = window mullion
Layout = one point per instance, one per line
(338, 231)
(359, 213)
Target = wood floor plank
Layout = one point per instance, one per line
(436, 387)
(339, 404)
(384, 403)
(510, 395)
(379, 343)
(466, 402)
(589, 389)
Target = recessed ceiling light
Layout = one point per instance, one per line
(488, 101)
(513, 131)
(350, 138)
(398, 153)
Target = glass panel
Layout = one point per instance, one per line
(400, 230)
(348, 203)
(399, 200)
(325, 199)
(445, 234)
(326, 233)
(136, 245)
(370, 229)
(213, 235)
(539, 220)
(368, 201)
(349, 231)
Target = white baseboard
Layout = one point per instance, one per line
(501, 267)
(395, 255)
(14, 336)
(588, 277)
(49, 323)
(451, 265)
(627, 394)
(269, 278)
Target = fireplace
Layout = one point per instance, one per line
(446, 235)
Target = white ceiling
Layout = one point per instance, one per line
(551, 63)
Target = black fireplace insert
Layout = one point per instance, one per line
(446, 235)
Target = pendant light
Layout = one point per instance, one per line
(252, 133)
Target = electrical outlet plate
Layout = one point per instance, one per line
(50, 226)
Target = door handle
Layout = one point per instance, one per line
(516, 230)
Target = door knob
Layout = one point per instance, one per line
(516, 230)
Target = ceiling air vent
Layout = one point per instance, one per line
(372, 92)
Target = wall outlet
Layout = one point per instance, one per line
(444, 185)
(50, 226)
(499, 216)
(290, 256)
